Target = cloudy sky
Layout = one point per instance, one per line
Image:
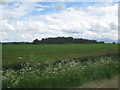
(26, 21)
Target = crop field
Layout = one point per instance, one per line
(40, 53)
(57, 66)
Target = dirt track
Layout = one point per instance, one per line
(108, 83)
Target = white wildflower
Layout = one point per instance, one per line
(20, 58)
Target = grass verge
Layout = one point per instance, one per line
(61, 74)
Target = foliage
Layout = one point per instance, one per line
(64, 40)
(58, 40)
(63, 74)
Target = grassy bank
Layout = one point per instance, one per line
(63, 74)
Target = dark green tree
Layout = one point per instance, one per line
(36, 41)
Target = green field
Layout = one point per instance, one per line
(42, 53)
(57, 66)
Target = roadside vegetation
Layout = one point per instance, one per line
(62, 74)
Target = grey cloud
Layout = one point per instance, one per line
(113, 26)
(58, 6)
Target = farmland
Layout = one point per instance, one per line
(42, 53)
(57, 65)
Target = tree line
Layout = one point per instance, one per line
(58, 40)
(65, 40)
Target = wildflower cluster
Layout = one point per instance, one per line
(60, 73)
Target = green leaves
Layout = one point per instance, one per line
(60, 75)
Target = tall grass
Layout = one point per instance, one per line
(62, 74)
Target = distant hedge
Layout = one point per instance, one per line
(64, 40)
(58, 40)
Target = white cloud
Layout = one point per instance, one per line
(92, 22)
(40, 9)
(42, 6)
(15, 11)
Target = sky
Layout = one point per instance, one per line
(26, 21)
